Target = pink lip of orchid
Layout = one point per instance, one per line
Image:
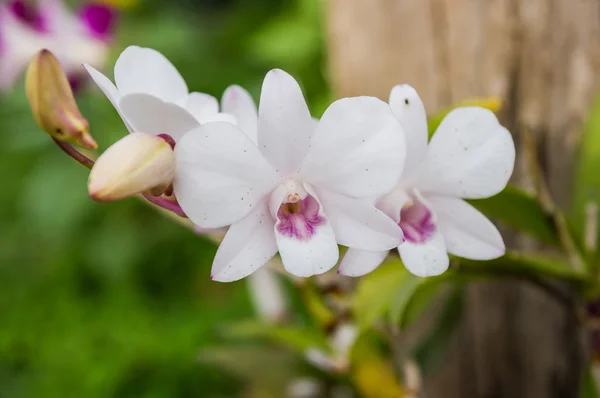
(26, 28)
(301, 188)
(151, 95)
(471, 156)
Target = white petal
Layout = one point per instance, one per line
(425, 259)
(221, 175)
(202, 106)
(410, 111)
(144, 70)
(360, 262)
(238, 102)
(467, 232)
(284, 123)
(309, 257)
(248, 245)
(358, 149)
(358, 224)
(149, 114)
(470, 156)
(109, 89)
(220, 117)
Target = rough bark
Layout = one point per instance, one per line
(542, 58)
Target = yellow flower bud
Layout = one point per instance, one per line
(52, 103)
(137, 163)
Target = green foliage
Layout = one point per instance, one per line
(298, 339)
(587, 180)
(434, 346)
(521, 211)
(375, 292)
(589, 389)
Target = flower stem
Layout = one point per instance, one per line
(74, 153)
(545, 198)
(165, 204)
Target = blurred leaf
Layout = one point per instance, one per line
(122, 4)
(372, 373)
(292, 39)
(521, 211)
(515, 263)
(296, 338)
(589, 389)
(404, 295)
(422, 297)
(375, 292)
(316, 306)
(492, 103)
(433, 348)
(263, 366)
(587, 178)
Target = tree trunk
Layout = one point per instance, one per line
(542, 58)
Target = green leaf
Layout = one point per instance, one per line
(521, 211)
(375, 292)
(491, 103)
(587, 177)
(296, 338)
(433, 348)
(403, 296)
(589, 389)
(249, 363)
(423, 295)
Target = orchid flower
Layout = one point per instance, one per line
(152, 97)
(26, 29)
(470, 156)
(299, 190)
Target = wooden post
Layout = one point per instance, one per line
(542, 57)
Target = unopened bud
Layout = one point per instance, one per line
(137, 163)
(52, 102)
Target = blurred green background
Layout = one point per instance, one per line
(100, 300)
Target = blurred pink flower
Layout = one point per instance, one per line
(27, 27)
(297, 189)
(470, 156)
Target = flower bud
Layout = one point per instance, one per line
(52, 103)
(137, 163)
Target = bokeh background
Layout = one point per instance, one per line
(100, 300)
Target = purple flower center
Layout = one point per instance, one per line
(99, 19)
(299, 220)
(28, 14)
(416, 221)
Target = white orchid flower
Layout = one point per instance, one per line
(297, 190)
(470, 156)
(152, 97)
(28, 27)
